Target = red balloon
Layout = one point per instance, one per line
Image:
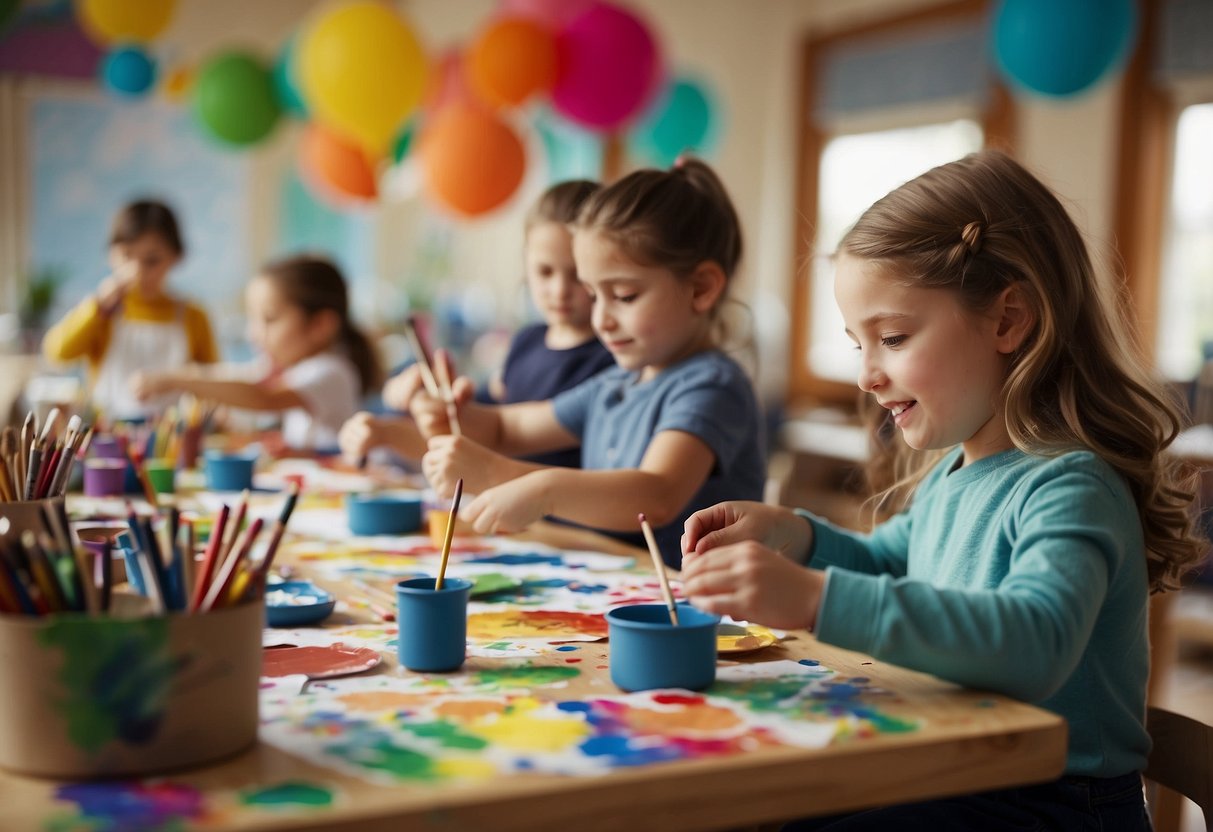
(336, 168)
(472, 160)
(510, 61)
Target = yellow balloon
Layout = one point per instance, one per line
(110, 21)
(362, 71)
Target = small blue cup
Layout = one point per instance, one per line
(229, 472)
(649, 652)
(371, 514)
(432, 624)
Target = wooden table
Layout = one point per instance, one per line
(967, 741)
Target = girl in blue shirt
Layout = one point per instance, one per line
(1040, 524)
(673, 428)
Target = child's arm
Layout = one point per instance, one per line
(82, 333)
(675, 466)
(234, 393)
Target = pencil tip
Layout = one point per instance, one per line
(641, 517)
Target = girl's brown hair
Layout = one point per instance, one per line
(561, 203)
(980, 224)
(146, 216)
(315, 285)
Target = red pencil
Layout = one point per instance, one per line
(208, 561)
(223, 581)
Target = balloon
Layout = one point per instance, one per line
(286, 84)
(234, 98)
(128, 71)
(446, 82)
(123, 20)
(362, 71)
(403, 142)
(337, 168)
(510, 61)
(607, 66)
(472, 160)
(681, 121)
(1061, 47)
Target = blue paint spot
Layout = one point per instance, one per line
(588, 589)
(566, 648)
(574, 707)
(520, 559)
(810, 662)
(621, 754)
(841, 690)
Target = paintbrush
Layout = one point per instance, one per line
(448, 396)
(422, 357)
(450, 534)
(659, 565)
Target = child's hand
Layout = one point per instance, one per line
(113, 289)
(734, 522)
(509, 507)
(399, 390)
(452, 457)
(752, 582)
(358, 435)
(431, 414)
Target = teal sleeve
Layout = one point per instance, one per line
(1023, 637)
(882, 551)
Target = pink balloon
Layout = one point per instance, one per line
(607, 67)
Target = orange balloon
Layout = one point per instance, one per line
(472, 160)
(336, 167)
(512, 60)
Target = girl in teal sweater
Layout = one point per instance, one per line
(1043, 510)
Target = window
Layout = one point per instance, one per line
(884, 102)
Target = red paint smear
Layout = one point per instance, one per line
(317, 662)
(572, 661)
(677, 699)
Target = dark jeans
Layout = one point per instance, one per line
(1071, 804)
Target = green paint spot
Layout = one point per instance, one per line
(761, 694)
(525, 676)
(288, 794)
(493, 582)
(115, 676)
(447, 734)
(499, 645)
(382, 755)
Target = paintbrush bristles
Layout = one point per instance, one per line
(659, 566)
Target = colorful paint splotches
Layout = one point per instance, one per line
(488, 722)
(120, 806)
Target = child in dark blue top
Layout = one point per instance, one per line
(544, 358)
(675, 426)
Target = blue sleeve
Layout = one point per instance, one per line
(718, 407)
(572, 407)
(1023, 637)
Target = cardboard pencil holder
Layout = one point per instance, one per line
(105, 697)
(25, 514)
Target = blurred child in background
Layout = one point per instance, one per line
(132, 323)
(320, 363)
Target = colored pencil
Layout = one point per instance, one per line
(221, 587)
(659, 565)
(208, 562)
(450, 533)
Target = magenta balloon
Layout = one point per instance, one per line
(607, 67)
(552, 14)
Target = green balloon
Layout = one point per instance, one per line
(234, 98)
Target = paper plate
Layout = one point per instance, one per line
(317, 662)
(741, 638)
(292, 603)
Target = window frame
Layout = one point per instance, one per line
(998, 125)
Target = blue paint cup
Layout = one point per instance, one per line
(432, 624)
(229, 472)
(371, 514)
(649, 652)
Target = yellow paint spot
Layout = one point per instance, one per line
(521, 729)
(465, 768)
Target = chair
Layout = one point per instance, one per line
(1181, 763)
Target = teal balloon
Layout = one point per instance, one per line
(128, 71)
(286, 87)
(681, 121)
(234, 98)
(1061, 47)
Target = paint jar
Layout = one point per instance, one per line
(229, 471)
(647, 651)
(162, 474)
(101, 544)
(190, 448)
(101, 696)
(432, 624)
(383, 513)
(104, 477)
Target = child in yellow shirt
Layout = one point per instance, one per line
(131, 323)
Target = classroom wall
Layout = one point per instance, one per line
(749, 54)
